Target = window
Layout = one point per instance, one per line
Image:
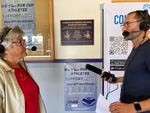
(35, 17)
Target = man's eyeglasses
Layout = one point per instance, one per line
(126, 24)
(21, 42)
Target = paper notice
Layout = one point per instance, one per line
(102, 105)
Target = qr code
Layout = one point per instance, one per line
(118, 46)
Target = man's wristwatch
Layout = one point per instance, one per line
(137, 106)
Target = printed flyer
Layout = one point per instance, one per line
(80, 88)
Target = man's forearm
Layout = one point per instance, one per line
(119, 79)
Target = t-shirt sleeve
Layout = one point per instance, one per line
(148, 58)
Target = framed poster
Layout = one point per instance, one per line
(77, 32)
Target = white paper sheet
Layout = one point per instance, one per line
(102, 105)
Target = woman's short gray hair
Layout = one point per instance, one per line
(10, 34)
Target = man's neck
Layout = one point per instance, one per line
(139, 41)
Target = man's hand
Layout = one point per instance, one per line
(118, 107)
(109, 77)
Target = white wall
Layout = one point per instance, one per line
(77, 10)
(50, 78)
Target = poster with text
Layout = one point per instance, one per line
(77, 32)
(79, 87)
(20, 13)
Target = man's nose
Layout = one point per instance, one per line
(124, 28)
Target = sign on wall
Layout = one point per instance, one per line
(21, 13)
(77, 32)
(80, 88)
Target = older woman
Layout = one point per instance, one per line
(19, 93)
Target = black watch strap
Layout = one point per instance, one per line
(137, 107)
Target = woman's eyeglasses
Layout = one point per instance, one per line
(20, 42)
